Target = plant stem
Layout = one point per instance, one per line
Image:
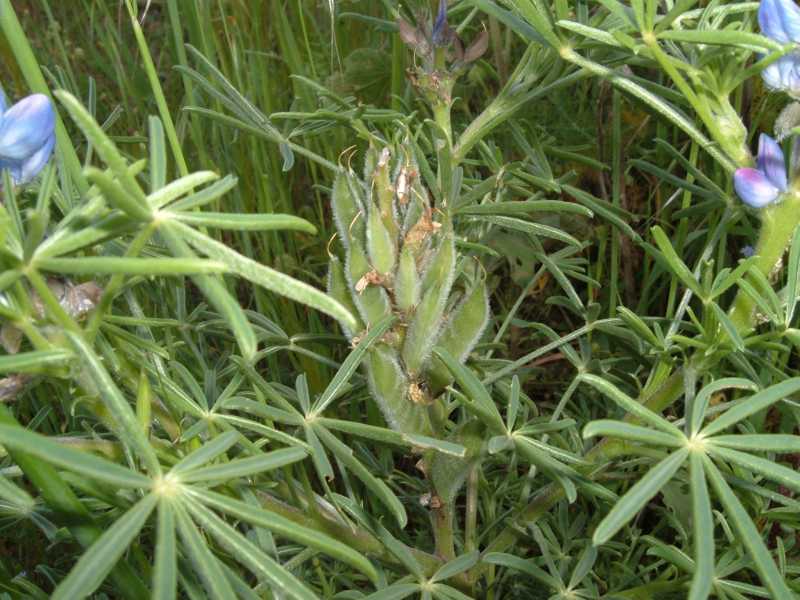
(778, 224)
(443, 531)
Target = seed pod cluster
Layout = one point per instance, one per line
(401, 258)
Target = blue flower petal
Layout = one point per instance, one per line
(14, 168)
(771, 162)
(780, 20)
(26, 127)
(36, 162)
(783, 74)
(754, 188)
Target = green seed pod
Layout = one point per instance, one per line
(371, 299)
(380, 244)
(441, 266)
(461, 333)
(371, 158)
(424, 330)
(348, 212)
(339, 289)
(427, 322)
(383, 191)
(406, 282)
(389, 386)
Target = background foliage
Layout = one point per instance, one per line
(623, 428)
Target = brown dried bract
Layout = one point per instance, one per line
(404, 181)
(423, 228)
(371, 278)
(418, 395)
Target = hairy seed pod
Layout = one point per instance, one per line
(339, 289)
(406, 281)
(348, 212)
(426, 324)
(461, 333)
(371, 299)
(441, 266)
(380, 245)
(384, 193)
(371, 157)
(389, 386)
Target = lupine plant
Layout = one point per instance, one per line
(468, 299)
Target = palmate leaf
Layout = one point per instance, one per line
(244, 467)
(124, 417)
(377, 487)
(82, 463)
(749, 536)
(207, 452)
(284, 527)
(641, 492)
(702, 529)
(630, 405)
(95, 564)
(165, 569)
(248, 554)
(206, 564)
(753, 404)
(262, 275)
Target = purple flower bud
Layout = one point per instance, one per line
(780, 20)
(26, 127)
(440, 36)
(783, 74)
(754, 188)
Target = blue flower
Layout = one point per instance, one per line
(763, 185)
(780, 20)
(440, 35)
(784, 73)
(27, 136)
